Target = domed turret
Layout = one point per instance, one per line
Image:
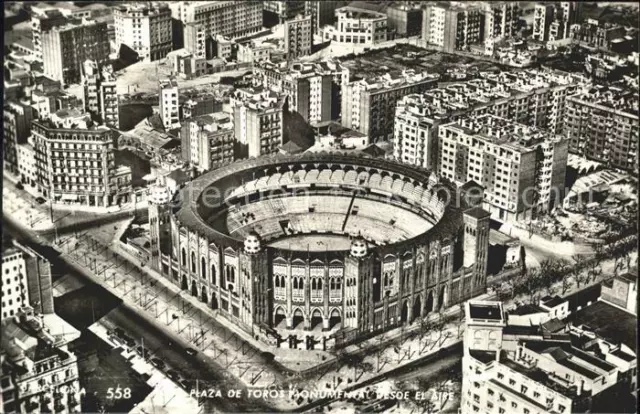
(252, 243)
(158, 194)
(358, 248)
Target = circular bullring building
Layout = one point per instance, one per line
(316, 251)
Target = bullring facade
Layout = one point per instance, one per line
(316, 251)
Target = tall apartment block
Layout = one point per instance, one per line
(357, 26)
(510, 367)
(404, 18)
(75, 162)
(532, 97)
(313, 89)
(553, 21)
(196, 40)
(602, 124)
(500, 19)
(369, 105)
(44, 21)
(258, 123)
(322, 12)
(284, 9)
(100, 97)
(145, 28)
(521, 168)
(298, 37)
(228, 18)
(208, 141)
(16, 129)
(66, 48)
(169, 104)
(451, 27)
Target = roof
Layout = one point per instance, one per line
(376, 6)
(291, 148)
(609, 322)
(179, 176)
(527, 310)
(554, 325)
(374, 150)
(552, 302)
(485, 311)
(477, 212)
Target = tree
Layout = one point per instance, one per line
(566, 282)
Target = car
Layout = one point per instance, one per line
(190, 351)
(142, 351)
(185, 384)
(173, 375)
(158, 363)
(19, 186)
(40, 200)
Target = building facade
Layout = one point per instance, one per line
(66, 48)
(145, 28)
(298, 37)
(284, 9)
(75, 163)
(500, 19)
(603, 125)
(357, 27)
(100, 97)
(208, 141)
(404, 19)
(44, 21)
(16, 128)
(258, 124)
(451, 27)
(522, 169)
(369, 105)
(322, 12)
(553, 21)
(227, 18)
(169, 103)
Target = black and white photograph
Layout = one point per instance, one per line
(404, 207)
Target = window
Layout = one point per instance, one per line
(561, 408)
(512, 382)
(536, 394)
(523, 389)
(490, 391)
(526, 411)
(500, 376)
(514, 404)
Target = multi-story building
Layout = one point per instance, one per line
(43, 20)
(169, 104)
(200, 105)
(196, 39)
(66, 48)
(100, 96)
(75, 162)
(284, 9)
(261, 50)
(298, 37)
(451, 27)
(258, 123)
(500, 19)
(529, 369)
(369, 105)
(357, 27)
(521, 168)
(322, 12)
(16, 128)
(145, 28)
(602, 124)
(553, 21)
(313, 89)
(404, 18)
(596, 34)
(227, 18)
(208, 141)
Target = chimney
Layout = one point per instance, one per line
(498, 354)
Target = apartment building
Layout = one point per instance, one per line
(169, 104)
(284, 9)
(208, 141)
(595, 34)
(258, 122)
(369, 104)
(144, 27)
(66, 48)
(16, 128)
(75, 161)
(528, 369)
(100, 97)
(602, 124)
(553, 21)
(298, 37)
(196, 40)
(200, 105)
(451, 27)
(521, 168)
(322, 12)
(357, 27)
(228, 18)
(500, 19)
(26, 281)
(404, 18)
(43, 20)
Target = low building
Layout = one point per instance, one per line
(261, 50)
(188, 65)
(357, 26)
(208, 141)
(595, 34)
(622, 291)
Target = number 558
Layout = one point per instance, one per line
(118, 393)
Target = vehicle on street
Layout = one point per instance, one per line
(158, 363)
(190, 351)
(173, 375)
(40, 200)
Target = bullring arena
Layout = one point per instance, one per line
(317, 251)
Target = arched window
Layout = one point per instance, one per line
(184, 257)
(314, 284)
(193, 262)
(213, 274)
(301, 285)
(295, 283)
(319, 284)
(203, 266)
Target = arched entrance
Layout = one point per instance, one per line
(316, 320)
(184, 285)
(417, 308)
(214, 302)
(194, 289)
(429, 305)
(204, 296)
(442, 297)
(298, 319)
(335, 319)
(405, 312)
(279, 316)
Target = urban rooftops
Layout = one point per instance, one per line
(485, 311)
(615, 97)
(360, 14)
